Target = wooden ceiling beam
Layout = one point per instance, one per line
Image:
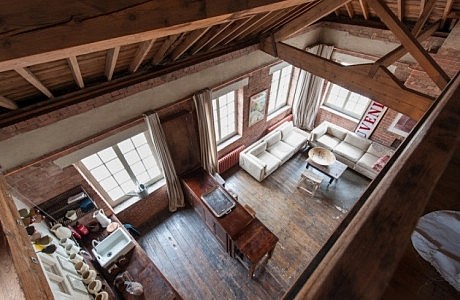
(251, 24)
(226, 34)
(205, 41)
(350, 10)
(137, 23)
(447, 9)
(321, 9)
(189, 41)
(160, 54)
(400, 51)
(425, 14)
(111, 61)
(364, 9)
(410, 43)
(386, 89)
(75, 69)
(400, 4)
(33, 80)
(7, 103)
(141, 53)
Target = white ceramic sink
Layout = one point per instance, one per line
(108, 250)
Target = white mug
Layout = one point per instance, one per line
(102, 296)
(94, 286)
(81, 267)
(72, 248)
(89, 276)
(75, 257)
(66, 241)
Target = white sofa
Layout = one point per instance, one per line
(357, 152)
(264, 156)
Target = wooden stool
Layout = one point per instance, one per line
(309, 182)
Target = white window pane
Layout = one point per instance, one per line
(108, 183)
(116, 193)
(138, 168)
(91, 161)
(154, 172)
(107, 154)
(114, 165)
(143, 178)
(149, 162)
(132, 157)
(122, 176)
(100, 173)
(128, 187)
(139, 139)
(144, 151)
(125, 146)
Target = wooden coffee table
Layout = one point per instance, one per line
(333, 171)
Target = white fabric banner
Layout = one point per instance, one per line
(370, 119)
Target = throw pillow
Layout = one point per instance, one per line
(381, 162)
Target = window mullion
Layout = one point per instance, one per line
(125, 164)
(219, 126)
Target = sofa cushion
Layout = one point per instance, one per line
(281, 150)
(258, 149)
(357, 141)
(367, 161)
(338, 132)
(328, 141)
(349, 151)
(273, 138)
(286, 129)
(271, 161)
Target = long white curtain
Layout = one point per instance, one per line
(208, 147)
(175, 194)
(307, 105)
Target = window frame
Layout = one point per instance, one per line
(217, 117)
(92, 180)
(341, 109)
(279, 104)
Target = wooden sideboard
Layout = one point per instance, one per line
(241, 234)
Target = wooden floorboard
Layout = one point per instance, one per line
(198, 267)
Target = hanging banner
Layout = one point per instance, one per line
(370, 119)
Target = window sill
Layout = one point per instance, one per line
(338, 113)
(134, 199)
(278, 112)
(228, 142)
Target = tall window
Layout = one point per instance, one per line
(346, 102)
(224, 110)
(279, 90)
(119, 170)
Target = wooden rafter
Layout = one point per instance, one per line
(33, 80)
(212, 35)
(410, 43)
(400, 51)
(350, 10)
(229, 32)
(422, 6)
(386, 89)
(75, 69)
(364, 9)
(111, 62)
(249, 26)
(400, 10)
(290, 15)
(428, 8)
(446, 12)
(7, 103)
(318, 11)
(160, 54)
(189, 41)
(146, 22)
(141, 53)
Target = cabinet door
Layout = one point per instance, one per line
(221, 235)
